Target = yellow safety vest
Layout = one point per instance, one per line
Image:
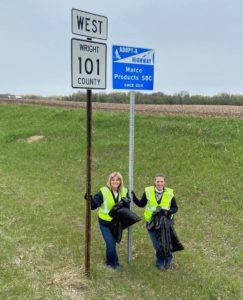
(152, 203)
(108, 202)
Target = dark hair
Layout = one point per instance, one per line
(159, 175)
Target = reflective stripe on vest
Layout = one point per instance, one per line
(152, 203)
(108, 202)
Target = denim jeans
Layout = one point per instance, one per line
(160, 261)
(110, 241)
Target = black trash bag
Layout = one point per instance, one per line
(116, 228)
(166, 236)
(125, 202)
(122, 218)
(127, 217)
(163, 237)
(176, 244)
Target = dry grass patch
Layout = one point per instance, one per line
(34, 138)
(72, 282)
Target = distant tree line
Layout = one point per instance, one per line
(155, 98)
(160, 98)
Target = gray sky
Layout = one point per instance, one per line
(198, 43)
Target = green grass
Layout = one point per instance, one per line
(42, 211)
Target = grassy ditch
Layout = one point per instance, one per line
(42, 211)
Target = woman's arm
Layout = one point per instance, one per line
(96, 200)
(142, 202)
(173, 206)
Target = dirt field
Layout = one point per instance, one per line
(225, 111)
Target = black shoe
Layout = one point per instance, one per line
(118, 268)
(168, 266)
(161, 268)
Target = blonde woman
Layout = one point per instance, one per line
(110, 194)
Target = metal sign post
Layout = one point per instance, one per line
(88, 71)
(131, 164)
(88, 182)
(132, 69)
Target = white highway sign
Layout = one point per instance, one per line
(88, 63)
(89, 25)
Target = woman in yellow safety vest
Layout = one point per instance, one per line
(114, 192)
(154, 196)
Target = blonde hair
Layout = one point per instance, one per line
(112, 175)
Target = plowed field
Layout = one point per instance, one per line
(226, 111)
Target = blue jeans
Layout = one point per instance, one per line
(160, 261)
(110, 241)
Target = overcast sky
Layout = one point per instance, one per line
(198, 43)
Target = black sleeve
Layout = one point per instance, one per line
(173, 206)
(142, 202)
(96, 200)
(127, 202)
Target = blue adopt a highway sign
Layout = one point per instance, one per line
(132, 68)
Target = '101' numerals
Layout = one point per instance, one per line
(88, 65)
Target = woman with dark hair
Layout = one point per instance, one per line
(157, 197)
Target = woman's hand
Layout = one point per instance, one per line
(86, 197)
